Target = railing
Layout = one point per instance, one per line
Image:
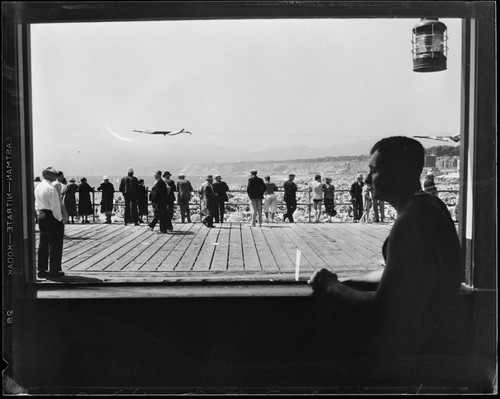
(340, 196)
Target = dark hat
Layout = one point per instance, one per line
(167, 174)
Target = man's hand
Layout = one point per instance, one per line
(321, 280)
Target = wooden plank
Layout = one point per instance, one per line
(180, 249)
(221, 254)
(93, 246)
(142, 254)
(352, 236)
(182, 232)
(251, 259)
(267, 261)
(105, 252)
(125, 255)
(129, 262)
(188, 260)
(235, 256)
(283, 259)
(328, 248)
(206, 253)
(359, 230)
(291, 248)
(76, 239)
(91, 238)
(169, 242)
(344, 251)
(303, 244)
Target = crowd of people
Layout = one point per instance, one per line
(263, 197)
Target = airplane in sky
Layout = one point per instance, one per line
(164, 132)
(455, 138)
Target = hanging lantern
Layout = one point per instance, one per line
(429, 46)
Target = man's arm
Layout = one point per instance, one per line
(364, 282)
(55, 204)
(326, 283)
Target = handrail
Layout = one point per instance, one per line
(197, 205)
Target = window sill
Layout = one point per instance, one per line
(300, 289)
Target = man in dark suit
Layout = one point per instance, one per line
(129, 187)
(221, 190)
(158, 198)
(290, 189)
(356, 192)
(207, 195)
(171, 189)
(255, 189)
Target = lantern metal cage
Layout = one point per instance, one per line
(429, 46)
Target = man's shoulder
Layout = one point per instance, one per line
(424, 209)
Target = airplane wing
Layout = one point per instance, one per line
(456, 139)
(144, 131)
(164, 132)
(179, 132)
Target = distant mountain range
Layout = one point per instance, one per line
(193, 160)
(300, 166)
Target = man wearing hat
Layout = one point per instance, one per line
(129, 187)
(185, 189)
(107, 200)
(50, 222)
(255, 190)
(290, 198)
(171, 189)
(357, 197)
(221, 189)
(207, 196)
(158, 198)
(429, 185)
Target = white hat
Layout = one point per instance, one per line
(50, 169)
(130, 170)
(105, 178)
(359, 176)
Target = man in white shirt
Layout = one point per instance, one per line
(50, 221)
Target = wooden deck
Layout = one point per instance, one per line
(228, 252)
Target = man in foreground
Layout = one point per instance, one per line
(50, 222)
(414, 307)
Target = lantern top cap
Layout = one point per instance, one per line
(425, 22)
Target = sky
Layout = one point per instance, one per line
(315, 87)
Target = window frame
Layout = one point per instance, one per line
(475, 123)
